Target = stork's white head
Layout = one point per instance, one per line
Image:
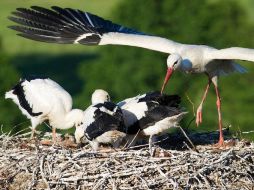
(174, 62)
(100, 96)
(80, 135)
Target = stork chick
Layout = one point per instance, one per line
(41, 99)
(103, 122)
(151, 114)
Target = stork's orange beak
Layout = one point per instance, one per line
(167, 77)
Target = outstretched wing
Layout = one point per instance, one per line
(233, 53)
(63, 25)
(67, 26)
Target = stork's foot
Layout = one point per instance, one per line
(34, 133)
(199, 116)
(46, 142)
(220, 144)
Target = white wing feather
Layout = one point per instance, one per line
(133, 112)
(233, 53)
(144, 41)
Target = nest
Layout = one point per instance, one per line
(27, 164)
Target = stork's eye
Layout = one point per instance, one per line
(175, 63)
(79, 124)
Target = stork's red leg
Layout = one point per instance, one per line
(218, 102)
(199, 110)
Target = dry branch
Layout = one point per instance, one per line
(27, 164)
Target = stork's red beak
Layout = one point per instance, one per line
(167, 77)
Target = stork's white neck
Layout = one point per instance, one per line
(68, 120)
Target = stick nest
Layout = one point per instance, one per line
(27, 164)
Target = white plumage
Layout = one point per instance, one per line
(41, 99)
(163, 125)
(75, 26)
(100, 96)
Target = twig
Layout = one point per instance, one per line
(145, 145)
(187, 127)
(48, 125)
(42, 172)
(247, 132)
(61, 168)
(188, 139)
(193, 106)
(134, 138)
(16, 127)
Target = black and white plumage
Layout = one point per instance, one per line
(74, 26)
(151, 114)
(103, 122)
(41, 99)
(65, 26)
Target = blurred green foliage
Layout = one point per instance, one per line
(9, 114)
(128, 71)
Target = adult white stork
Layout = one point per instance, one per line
(41, 99)
(74, 26)
(103, 123)
(151, 114)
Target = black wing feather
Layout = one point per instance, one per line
(65, 22)
(158, 107)
(46, 38)
(162, 99)
(104, 122)
(32, 25)
(34, 16)
(27, 30)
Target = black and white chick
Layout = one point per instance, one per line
(103, 123)
(41, 99)
(151, 114)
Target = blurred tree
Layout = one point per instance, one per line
(9, 115)
(128, 71)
